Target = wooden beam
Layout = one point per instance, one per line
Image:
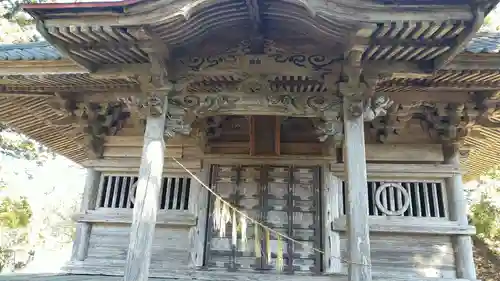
(124, 216)
(146, 199)
(64, 66)
(357, 196)
(470, 61)
(268, 64)
(404, 152)
(409, 225)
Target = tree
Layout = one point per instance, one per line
(485, 216)
(13, 12)
(20, 146)
(15, 216)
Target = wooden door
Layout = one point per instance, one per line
(285, 198)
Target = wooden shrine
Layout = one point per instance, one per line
(343, 126)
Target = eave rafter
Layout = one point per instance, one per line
(479, 14)
(103, 42)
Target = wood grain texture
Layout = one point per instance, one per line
(169, 245)
(404, 170)
(132, 165)
(199, 206)
(146, 200)
(331, 201)
(404, 152)
(409, 256)
(124, 216)
(408, 225)
(357, 197)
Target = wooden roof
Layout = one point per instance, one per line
(101, 56)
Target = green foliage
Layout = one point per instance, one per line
(12, 10)
(485, 216)
(15, 213)
(15, 216)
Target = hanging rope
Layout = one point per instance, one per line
(268, 230)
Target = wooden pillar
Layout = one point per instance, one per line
(357, 193)
(199, 206)
(146, 197)
(83, 229)
(462, 244)
(331, 212)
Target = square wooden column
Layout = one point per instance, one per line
(462, 244)
(357, 192)
(146, 198)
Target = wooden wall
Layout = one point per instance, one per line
(402, 247)
(409, 256)
(108, 247)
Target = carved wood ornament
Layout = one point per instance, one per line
(92, 121)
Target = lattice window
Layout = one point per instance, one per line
(405, 198)
(118, 191)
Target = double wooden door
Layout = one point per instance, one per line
(285, 198)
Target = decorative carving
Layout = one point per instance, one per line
(279, 103)
(94, 120)
(313, 62)
(254, 84)
(398, 191)
(330, 127)
(201, 63)
(445, 122)
(376, 107)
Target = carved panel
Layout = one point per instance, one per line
(279, 103)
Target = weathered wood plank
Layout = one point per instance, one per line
(407, 225)
(405, 170)
(132, 164)
(300, 160)
(124, 216)
(357, 196)
(409, 256)
(404, 152)
(146, 199)
(135, 152)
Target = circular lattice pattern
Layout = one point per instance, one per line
(389, 187)
(131, 192)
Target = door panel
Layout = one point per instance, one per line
(285, 198)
